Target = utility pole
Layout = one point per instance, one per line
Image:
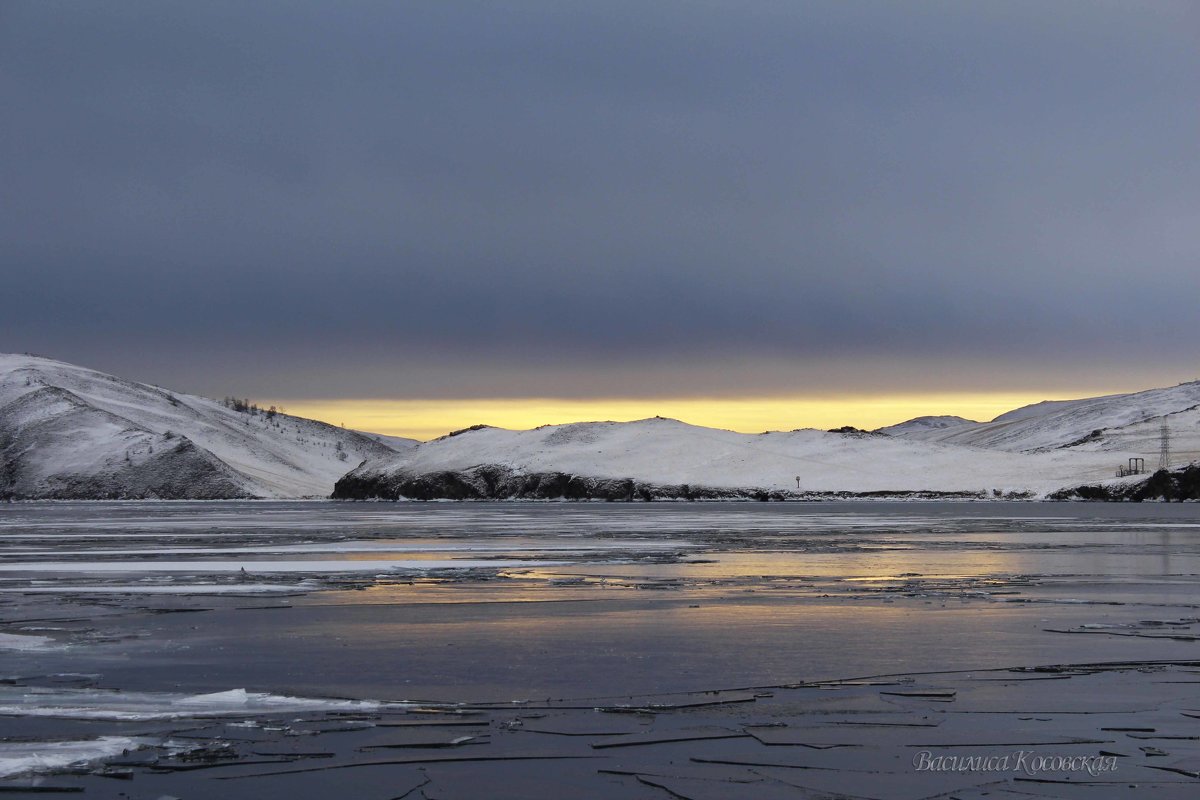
(1164, 447)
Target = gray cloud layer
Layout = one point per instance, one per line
(430, 198)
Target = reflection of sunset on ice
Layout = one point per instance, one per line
(620, 648)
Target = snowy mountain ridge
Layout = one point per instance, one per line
(69, 432)
(923, 424)
(1055, 424)
(1035, 451)
(619, 459)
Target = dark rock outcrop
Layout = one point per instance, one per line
(1181, 484)
(494, 482)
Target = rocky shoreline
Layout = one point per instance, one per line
(494, 482)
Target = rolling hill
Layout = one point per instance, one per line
(667, 458)
(67, 432)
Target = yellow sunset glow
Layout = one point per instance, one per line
(430, 418)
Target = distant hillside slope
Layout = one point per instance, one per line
(1144, 438)
(917, 426)
(68, 432)
(392, 442)
(1120, 419)
(493, 462)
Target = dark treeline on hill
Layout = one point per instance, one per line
(244, 406)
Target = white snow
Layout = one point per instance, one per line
(69, 430)
(116, 705)
(15, 641)
(1060, 423)
(665, 451)
(394, 442)
(507, 546)
(175, 588)
(66, 422)
(17, 758)
(922, 424)
(321, 566)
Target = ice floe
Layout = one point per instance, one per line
(15, 641)
(104, 704)
(17, 758)
(251, 566)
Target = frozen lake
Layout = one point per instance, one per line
(124, 613)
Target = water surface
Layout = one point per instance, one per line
(511, 600)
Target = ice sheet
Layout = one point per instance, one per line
(13, 641)
(819, 607)
(254, 567)
(176, 588)
(506, 546)
(102, 704)
(17, 758)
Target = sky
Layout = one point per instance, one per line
(413, 217)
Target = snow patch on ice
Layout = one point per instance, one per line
(174, 588)
(13, 641)
(134, 706)
(18, 758)
(255, 567)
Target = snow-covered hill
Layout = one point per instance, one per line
(1117, 422)
(913, 428)
(494, 462)
(71, 432)
(392, 442)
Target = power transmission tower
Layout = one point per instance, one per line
(1164, 447)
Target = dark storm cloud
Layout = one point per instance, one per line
(349, 199)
